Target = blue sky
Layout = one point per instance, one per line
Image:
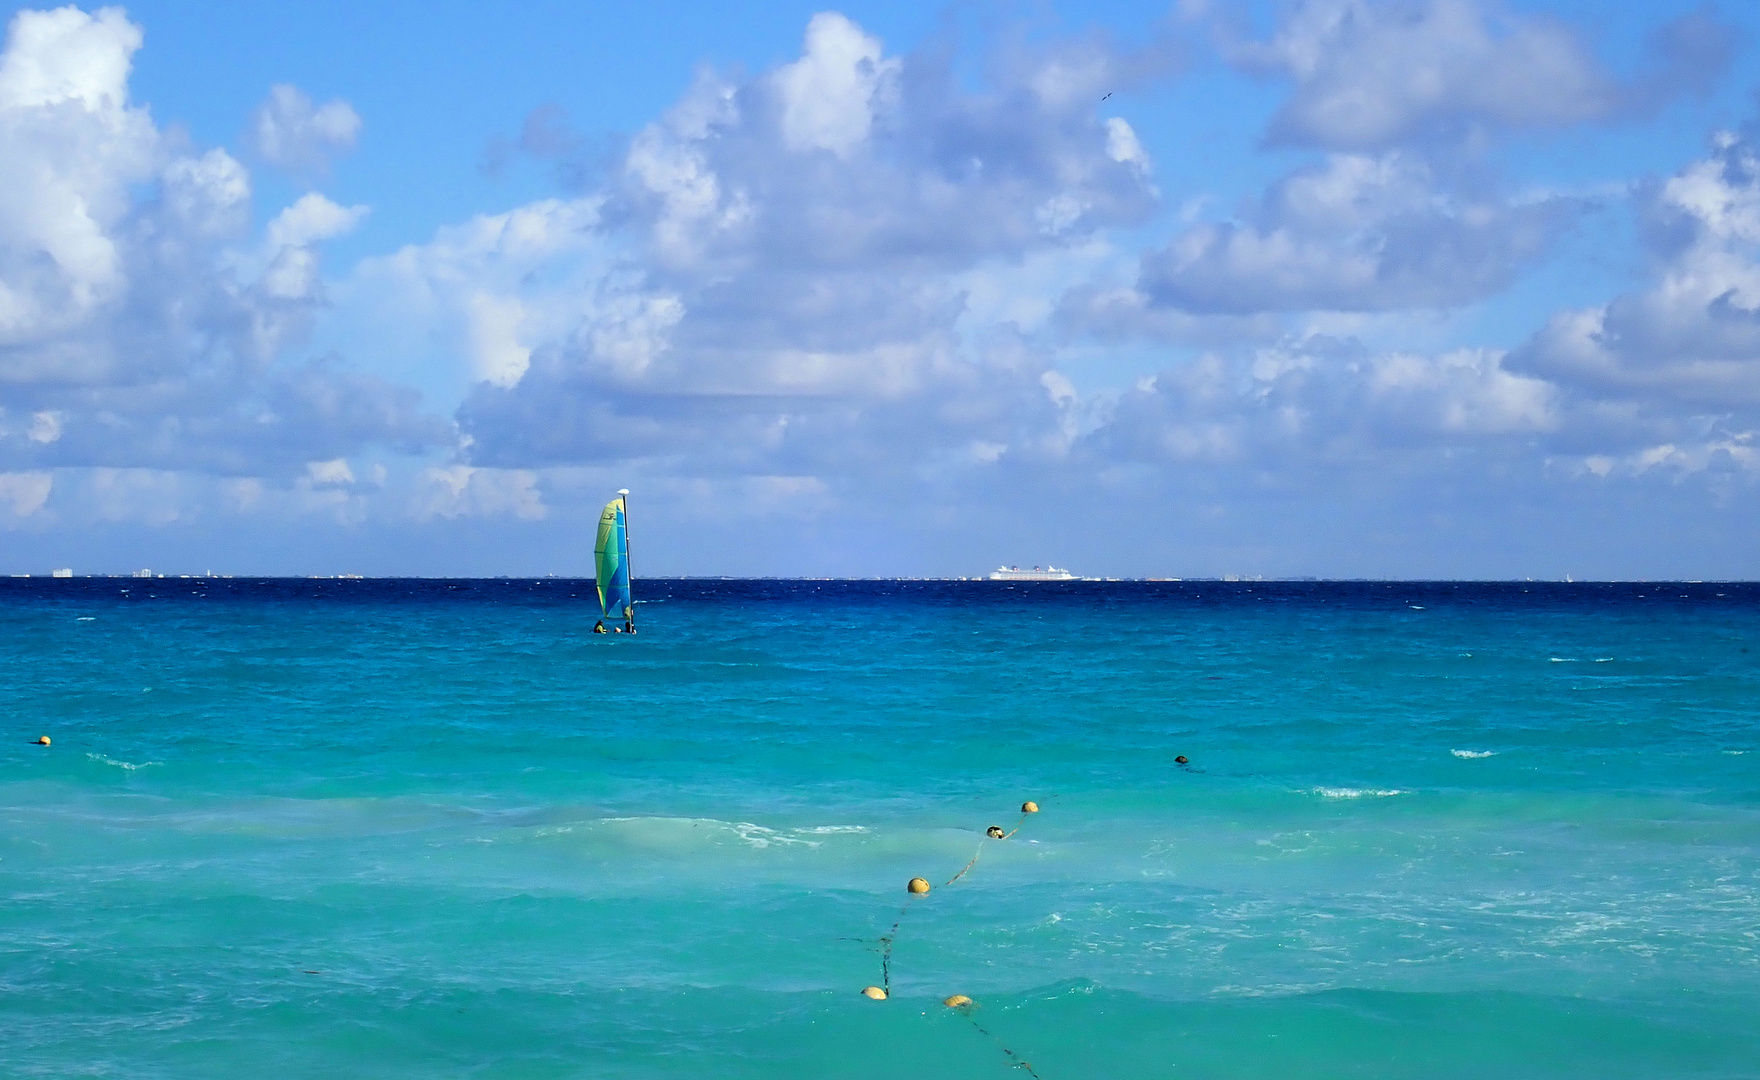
(1438, 288)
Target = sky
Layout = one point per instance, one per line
(1341, 288)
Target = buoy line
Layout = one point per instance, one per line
(966, 1007)
(919, 887)
(995, 832)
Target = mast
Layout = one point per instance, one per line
(629, 612)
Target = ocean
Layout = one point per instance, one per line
(382, 828)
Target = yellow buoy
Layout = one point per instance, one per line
(957, 1001)
(917, 886)
(874, 992)
(994, 832)
(42, 740)
(1029, 807)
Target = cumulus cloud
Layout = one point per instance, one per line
(1357, 233)
(859, 281)
(483, 294)
(292, 133)
(1312, 403)
(313, 218)
(844, 295)
(796, 253)
(70, 147)
(1673, 369)
(140, 324)
(829, 96)
(1368, 76)
(1404, 210)
(1693, 335)
(464, 491)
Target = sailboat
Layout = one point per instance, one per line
(611, 565)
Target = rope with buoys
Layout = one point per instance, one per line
(966, 1007)
(919, 887)
(995, 832)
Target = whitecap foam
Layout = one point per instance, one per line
(86, 618)
(1564, 659)
(669, 831)
(827, 830)
(129, 765)
(1356, 793)
(1473, 753)
(760, 837)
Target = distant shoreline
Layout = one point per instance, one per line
(1226, 580)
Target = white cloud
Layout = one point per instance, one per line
(1467, 391)
(797, 256)
(1369, 75)
(66, 55)
(1357, 233)
(468, 305)
(828, 96)
(45, 427)
(290, 268)
(310, 220)
(463, 491)
(329, 472)
(140, 325)
(24, 493)
(1738, 449)
(290, 132)
(209, 196)
(1689, 343)
(71, 146)
(1122, 144)
(854, 284)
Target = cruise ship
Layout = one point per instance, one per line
(1037, 573)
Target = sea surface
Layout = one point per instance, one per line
(339, 829)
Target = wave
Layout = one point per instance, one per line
(129, 765)
(1356, 793)
(669, 830)
(1473, 753)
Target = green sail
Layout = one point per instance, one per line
(611, 562)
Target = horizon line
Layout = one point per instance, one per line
(1233, 579)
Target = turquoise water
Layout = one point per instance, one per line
(426, 829)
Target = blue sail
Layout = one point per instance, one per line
(611, 562)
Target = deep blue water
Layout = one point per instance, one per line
(434, 828)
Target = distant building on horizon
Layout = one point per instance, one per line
(65, 571)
